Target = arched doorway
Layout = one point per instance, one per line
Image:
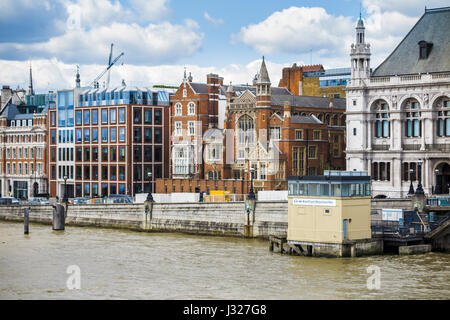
(442, 178)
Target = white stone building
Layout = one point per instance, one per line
(398, 116)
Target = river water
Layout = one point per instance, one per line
(117, 264)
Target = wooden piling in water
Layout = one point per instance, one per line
(26, 221)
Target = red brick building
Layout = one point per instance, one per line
(268, 132)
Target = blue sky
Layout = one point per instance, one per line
(162, 37)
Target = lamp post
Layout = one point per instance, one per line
(411, 188)
(437, 190)
(419, 189)
(149, 195)
(65, 190)
(251, 194)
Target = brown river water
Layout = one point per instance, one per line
(117, 264)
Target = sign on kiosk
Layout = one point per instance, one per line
(315, 202)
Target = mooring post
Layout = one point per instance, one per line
(26, 221)
(59, 217)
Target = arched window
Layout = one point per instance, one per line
(412, 116)
(327, 119)
(245, 126)
(191, 108)
(382, 128)
(335, 120)
(443, 120)
(320, 117)
(178, 109)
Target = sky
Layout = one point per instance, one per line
(162, 38)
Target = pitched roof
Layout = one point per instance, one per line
(433, 27)
(263, 76)
(304, 119)
(306, 101)
(239, 89)
(199, 88)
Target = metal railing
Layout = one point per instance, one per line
(439, 202)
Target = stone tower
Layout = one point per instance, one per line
(360, 54)
(263, 93)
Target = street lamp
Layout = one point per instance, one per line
(419, 190)
(437, 189)
(149, 195)
(411, 188)
(65, 189)
(251, 194)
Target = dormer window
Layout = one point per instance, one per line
(424, 49)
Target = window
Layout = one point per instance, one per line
(158, 154)
(112, 173)
(104, 116)
(158, 135)
(94, 153)
(121, 115)
(94, 116)
(121, 134)
(298, 134)
(104, 172)
(86, 135)
(94, 190)
(191, 128)
(104, 134)
(147, 154)
(158, 116)
(316, 134)
(245, 127)
(78, 135)
(298, 160)
(78, 154)
(137, 154)
(178, 128)
(137, 134)
(191, 108)
(354, 131)
(86, 116)
(94, 135)
(312, 152)
(382, 127)
(78, 170)
(275, 133)
(94, 173)
(113, 134)
(105, 154)
(381, 171)
(148, 135)
(412, 116)
(112, 114)
(148, 116)
(113, 153)
(121, 153)
(443, 121)
(86, 190)
(78, 117)
(121, 172)
(53, 117)
(137, 116)
(177, 109)
(87, 154)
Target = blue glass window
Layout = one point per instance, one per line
(59, 136)
(94, 116)
(104, 115)
(86, 135)
(71, 136)
(121, 134)
(86, 116)
(113, 134)
(78, 117)
(53, 136)
(104, 134)
(94, 135)
(112, 115)
(385, 128)
(78, 135)
(121, 189)
(121, 115)
(447, 127)
(86, 190)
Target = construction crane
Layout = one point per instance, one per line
(94, 83)
(109, 62)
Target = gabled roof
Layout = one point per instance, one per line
(313, 68)
(199, 88)
(239, 89)
(433, 27)
(307, 102)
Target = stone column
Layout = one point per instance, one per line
(369, 134)
(422, 140)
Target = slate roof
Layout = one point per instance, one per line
(239, 89)
(12, 113)
(433, 26)
(304, 119)
(306, 101)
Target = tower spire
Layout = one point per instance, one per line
(30, 85)
(77, 80)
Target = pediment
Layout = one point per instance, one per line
(246, 97)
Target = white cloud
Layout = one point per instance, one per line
(297, 30)
(413, 8)
(153, 44)
(211, 19)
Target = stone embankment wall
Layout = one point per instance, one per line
(268, 218)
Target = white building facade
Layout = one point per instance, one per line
(398, 116)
